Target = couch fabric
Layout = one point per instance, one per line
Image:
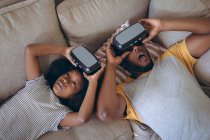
(91, 22)
(31, 21)
(5, 3)
(94, 130)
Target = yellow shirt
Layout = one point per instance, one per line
(180, 51)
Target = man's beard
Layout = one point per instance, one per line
(145, 68)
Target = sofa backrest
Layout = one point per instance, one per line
(91, 22)
(23, 23)
(5, 3)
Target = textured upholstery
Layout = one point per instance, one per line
(31, 21)
(4, 3)
(91, 22)
(94, 130)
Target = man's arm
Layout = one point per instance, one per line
(110, 106)
(194, 25)
(197, 43)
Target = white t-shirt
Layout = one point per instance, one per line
(30, 113)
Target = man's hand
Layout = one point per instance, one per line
(111, 59)
(153, 26)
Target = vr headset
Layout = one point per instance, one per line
(133, 35)
(85, 60)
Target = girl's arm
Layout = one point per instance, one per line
(78, 118)
(33, 51)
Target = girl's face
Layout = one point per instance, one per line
(68, 84)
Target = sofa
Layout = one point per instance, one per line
(90, 22)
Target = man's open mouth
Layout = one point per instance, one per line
(142, 57)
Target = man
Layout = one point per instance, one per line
(165, 96)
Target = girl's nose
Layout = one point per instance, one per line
(65, 82)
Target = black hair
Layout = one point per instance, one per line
(59, 67)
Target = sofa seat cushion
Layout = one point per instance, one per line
(30, 21)
(94, 130)
(91, 22)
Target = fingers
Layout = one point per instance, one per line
(73, 63)
(85, 75)
(109, 49)
(144, 22)
(109, 43)
(71, 60)
(147, 39)
(124, 55)
(67, 54)
(101, 70)
(96, 75)
(102, 66)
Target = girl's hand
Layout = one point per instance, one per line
(111, 59)
(153, 26)
(96, 75)
(67, 54)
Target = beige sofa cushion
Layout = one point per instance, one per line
(91, 22)
(4, 3)
(30, 21)
(94, 130)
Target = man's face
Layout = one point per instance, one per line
(139, 59)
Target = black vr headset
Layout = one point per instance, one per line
(85, 60)
(126, 39)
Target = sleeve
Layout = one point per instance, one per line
(131, 114)
(40, 80)
(180, 51)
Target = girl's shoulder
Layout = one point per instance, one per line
(39, 80)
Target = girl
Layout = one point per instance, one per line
(36, 109)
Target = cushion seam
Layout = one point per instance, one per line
(207, 10)
(16, 6)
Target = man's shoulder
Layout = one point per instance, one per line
(174, 50)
